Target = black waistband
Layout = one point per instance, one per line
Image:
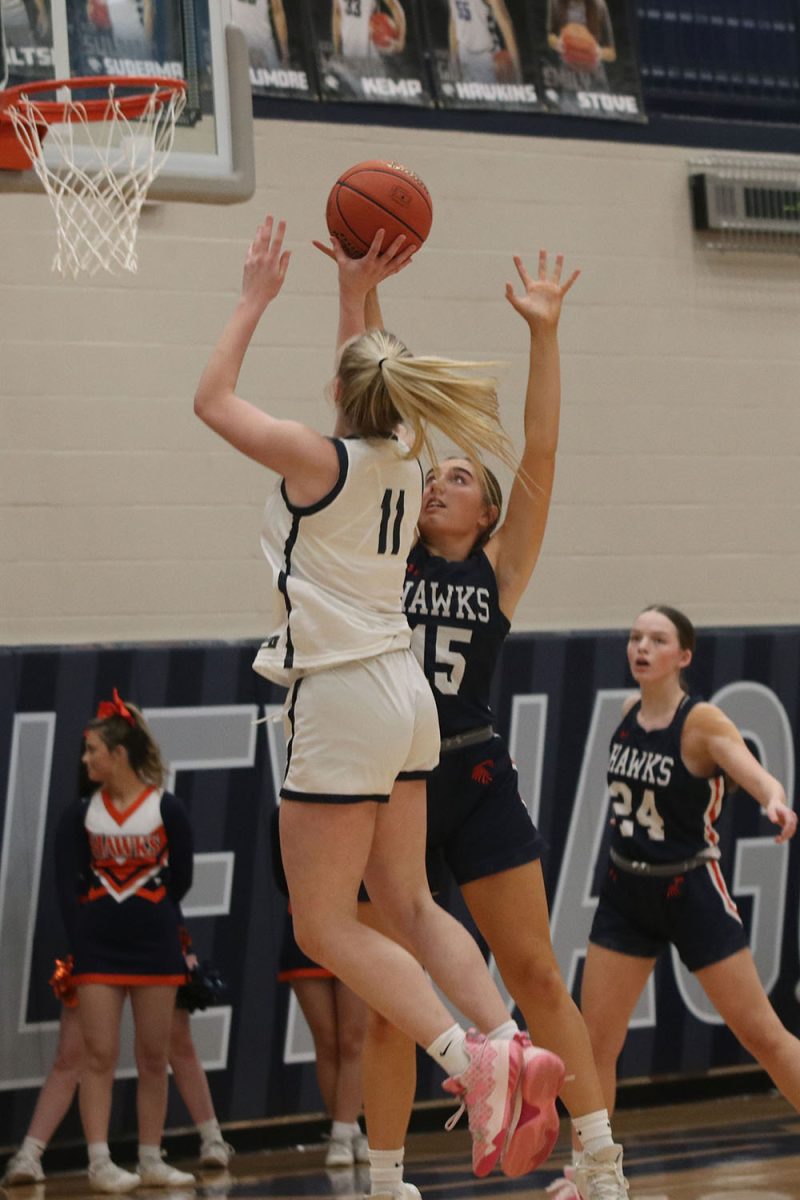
(662, 870)
(473, 737)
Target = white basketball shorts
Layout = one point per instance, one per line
(352, 730)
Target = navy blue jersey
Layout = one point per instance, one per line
(662, 813)
(457, 631)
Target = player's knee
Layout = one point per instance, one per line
(410, 914)
(310, 936)
(535, 979)
(606, 1037)
(764, 1040)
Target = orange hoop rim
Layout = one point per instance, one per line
(55, 112)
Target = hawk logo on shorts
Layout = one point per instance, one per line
(482, 771)
(675, 886)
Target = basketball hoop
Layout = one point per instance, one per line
(104, 154)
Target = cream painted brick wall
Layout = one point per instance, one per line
(121, 517)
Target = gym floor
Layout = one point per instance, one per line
(738, 1148)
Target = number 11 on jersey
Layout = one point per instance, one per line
(386, 516)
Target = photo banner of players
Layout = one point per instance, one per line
(480, 53)
(28, 40)
(586, 53)
(278, 45)
(126, 37)
(370, 50)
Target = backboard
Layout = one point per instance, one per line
(194, 40)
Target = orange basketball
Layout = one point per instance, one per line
(383, 30)
(580, 48)
(378, 195)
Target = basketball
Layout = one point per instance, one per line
(378, 195)
(580, 48)
(383, 30)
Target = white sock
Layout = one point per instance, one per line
(504, 1032)
(344, 1131)
(98, 1152)
(385, 1170)
(149, 1155)
(209, 1130)
(35, 1147)
(449, 1052)
(594, 1130)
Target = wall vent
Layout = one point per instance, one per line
(742, 203)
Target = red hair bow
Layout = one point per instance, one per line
(115, 708)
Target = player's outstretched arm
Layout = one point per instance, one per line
(711, 740)
(287, 447)
(515, 547)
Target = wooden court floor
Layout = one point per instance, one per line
(743, 1148)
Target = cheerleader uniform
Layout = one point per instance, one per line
(477, 821)
(664, 884)
(121, 876)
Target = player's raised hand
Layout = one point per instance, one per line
(360, 275)
(541, 298)
(266, 263)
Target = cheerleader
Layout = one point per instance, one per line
(124, 862)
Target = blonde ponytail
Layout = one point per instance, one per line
(381, 384)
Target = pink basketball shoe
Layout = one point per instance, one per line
(534, 1132)
(487, 1089)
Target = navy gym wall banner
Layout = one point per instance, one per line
(557, 698)
(369, 50)
(278, 46)
(28, 40)
(480, 54)
(587, 65)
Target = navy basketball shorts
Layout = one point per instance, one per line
(353, 729)
(477, 820)
(642, 915)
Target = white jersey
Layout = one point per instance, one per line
(354, 33)
(253, 18)
(126, 21)
(338, 566)
(476, 30)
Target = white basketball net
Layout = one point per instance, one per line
(98, 174)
